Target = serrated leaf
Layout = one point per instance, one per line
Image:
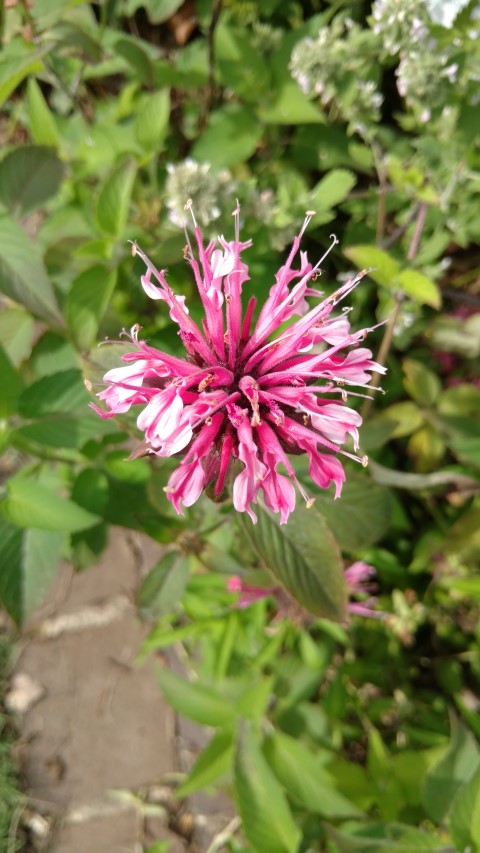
(22, 274)
(195, 701)
(361, 517)
(268, 823)
(332, 189)
(59, 392)
(232, 135)
(212, 763)
(304, 557)
(419, 287)
(114, 199)
(30, 504)
(28, 564)
(301, 774)
(16, 334)
(87, 301)
(382, 267)
(29, 176)
(459, 764)
(163, 586)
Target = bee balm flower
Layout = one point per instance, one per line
(250, 392)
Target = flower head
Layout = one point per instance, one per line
(247, 393)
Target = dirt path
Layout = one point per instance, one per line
(99, 746)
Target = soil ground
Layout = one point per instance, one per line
(100, 748)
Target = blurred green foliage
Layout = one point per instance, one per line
(114, 114)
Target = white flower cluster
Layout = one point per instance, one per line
(336, 69)
(400, 24)
(211, 192)
(420, 75)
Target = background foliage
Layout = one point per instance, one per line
(113, 115)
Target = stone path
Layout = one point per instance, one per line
(100, 748)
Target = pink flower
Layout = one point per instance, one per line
(361, 588)
(358, 578)
(246, 393)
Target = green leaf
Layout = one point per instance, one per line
(360, 517)
(242, 68)
(462, 540)
(289, 105)
(307, 783)
(60, 392)
(22, 274)
(196, 701)
(29, 176)
(465, 815)
(460, 400)
(212, 763)
(137, 57)
(162, 588)
(304, 557)
(30, 504)
(420, 382)
(420, 288)
(455, 334)
(385, 268)
(332, 189)
(14, 68)
(16, 333)
(65, 431)
(408, 418)
(454, 769)
(133, 471)
(114, 199)
(467, 449)
(91, 490)
(253, 701)
(11, 386)
(87, 302)
(426, 447)
(385, 838)
(72, 36)
(232, 135)
(52, 350)
(28, 564)
(157, 12)
(152, 119)
(267, 820)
